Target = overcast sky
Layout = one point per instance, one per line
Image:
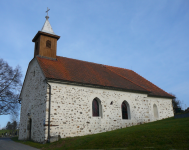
(150, 37)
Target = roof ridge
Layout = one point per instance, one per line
(92, 62)
(80, 60)
(151, 82)
(127, 79)
(117, 67)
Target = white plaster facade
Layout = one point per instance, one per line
(71, 108)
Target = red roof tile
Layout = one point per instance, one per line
(133, 76)
(78, 71)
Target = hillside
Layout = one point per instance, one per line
(164, 134)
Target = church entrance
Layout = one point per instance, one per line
(29, 128)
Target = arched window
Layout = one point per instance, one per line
(155, 111)
(125, 110)
(95, 107)
(48, 44)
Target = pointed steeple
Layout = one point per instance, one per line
(46, 41)
(47, 26)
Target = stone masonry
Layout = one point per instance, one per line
(71, 110)
(33, 104)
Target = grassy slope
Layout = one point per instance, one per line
(164, 134)
(4, 131)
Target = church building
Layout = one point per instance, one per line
(66, 97)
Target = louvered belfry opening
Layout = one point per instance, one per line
(48, 43)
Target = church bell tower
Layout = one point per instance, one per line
(46, 41)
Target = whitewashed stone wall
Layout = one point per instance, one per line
(71, 110)
(33, 102)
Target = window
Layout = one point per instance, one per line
(125, 110)
(155, 111)
(48, 44)
(29, 128)
(95, 107)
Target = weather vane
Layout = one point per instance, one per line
(47, 17)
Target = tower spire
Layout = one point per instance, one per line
(47, 17)
(47, 26)
(46, 41)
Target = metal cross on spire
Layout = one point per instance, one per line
(47, 17)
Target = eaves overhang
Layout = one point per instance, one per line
(158, 96)
(46, 34)
(94, 85)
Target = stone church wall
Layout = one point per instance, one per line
(33, 104)
(71, 110)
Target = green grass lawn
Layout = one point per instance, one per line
(164, 134)
(4, 131)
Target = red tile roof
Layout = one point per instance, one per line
(78, 71)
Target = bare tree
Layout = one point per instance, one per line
(10, 85)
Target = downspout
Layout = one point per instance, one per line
(49, 111)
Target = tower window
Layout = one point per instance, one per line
(48, 44)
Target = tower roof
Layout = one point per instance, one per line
(47, 26)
